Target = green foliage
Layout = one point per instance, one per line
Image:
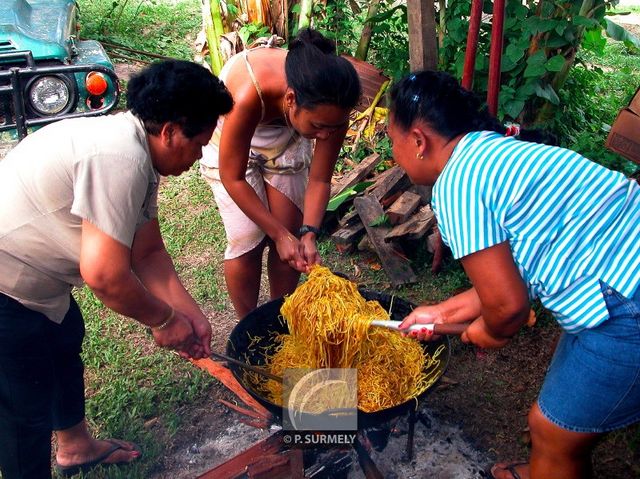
(389, 49)
(540, 44)
(390, 40)
(156, 26)
(252, 31)
(339, 199)
(337, 21)
(382, 220)
(618, 33)
(383, 147)
(596, 89)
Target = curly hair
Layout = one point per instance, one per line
(177, 91)
(317, 75)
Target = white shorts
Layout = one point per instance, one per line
(243, 235)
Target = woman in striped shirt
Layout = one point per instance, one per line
(532, 221)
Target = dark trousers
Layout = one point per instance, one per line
(41, 385)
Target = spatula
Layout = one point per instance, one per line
(435, 328)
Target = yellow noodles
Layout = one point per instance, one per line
(329, 324)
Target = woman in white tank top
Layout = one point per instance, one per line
(270, 182)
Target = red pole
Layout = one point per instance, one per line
(472, 44)
(495, 56)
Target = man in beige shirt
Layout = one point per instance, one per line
(78, 204)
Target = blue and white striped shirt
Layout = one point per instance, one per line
(570, 222)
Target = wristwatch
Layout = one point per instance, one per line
(304, 229)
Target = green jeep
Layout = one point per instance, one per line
(46, 73)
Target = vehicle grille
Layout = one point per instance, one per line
(7, 46)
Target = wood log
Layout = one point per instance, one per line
(237, 466)
(346, 237)
(388, 183)
(424, 192)
(403, 207)
(397, 268)
(415, 227)
(226, 377)
(423, 47)
(356, 175)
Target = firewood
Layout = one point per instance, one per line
(356, 175)
(415, 227)
(238, 465)
(346, 237)
(424, 192)
(397, 269)
(388, 183)
(403, 207)
(349, 219)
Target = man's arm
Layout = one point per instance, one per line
(122, 280)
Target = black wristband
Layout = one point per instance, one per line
(304, 229)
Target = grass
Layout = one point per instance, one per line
(164, 27)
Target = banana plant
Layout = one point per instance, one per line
(212, 20)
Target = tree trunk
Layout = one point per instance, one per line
(279, 15)
(367, 32)
(442, 13)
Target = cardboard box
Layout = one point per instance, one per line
(624, 137)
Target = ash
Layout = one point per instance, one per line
(440, 452)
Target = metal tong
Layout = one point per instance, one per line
(248, 367)
(435, 328)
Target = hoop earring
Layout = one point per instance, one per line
(419, 156)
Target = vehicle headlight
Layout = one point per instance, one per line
(49, 95)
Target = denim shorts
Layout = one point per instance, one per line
(593, 381)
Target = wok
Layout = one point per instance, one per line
(259, 329)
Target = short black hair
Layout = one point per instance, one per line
(317, 75)
(178, 91)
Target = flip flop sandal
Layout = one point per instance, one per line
(68, 471)
(511, 468)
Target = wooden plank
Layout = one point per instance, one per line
(296, 460)
(273, 466)
(424, 191)
(388, 183)
(349, 219)
(416, 227)
(226, 377)
(346, 237)
(423, 50)
(403, 207)
(397, 268)
(356, 175)
(237, 465)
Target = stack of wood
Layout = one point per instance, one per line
(391, 212)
